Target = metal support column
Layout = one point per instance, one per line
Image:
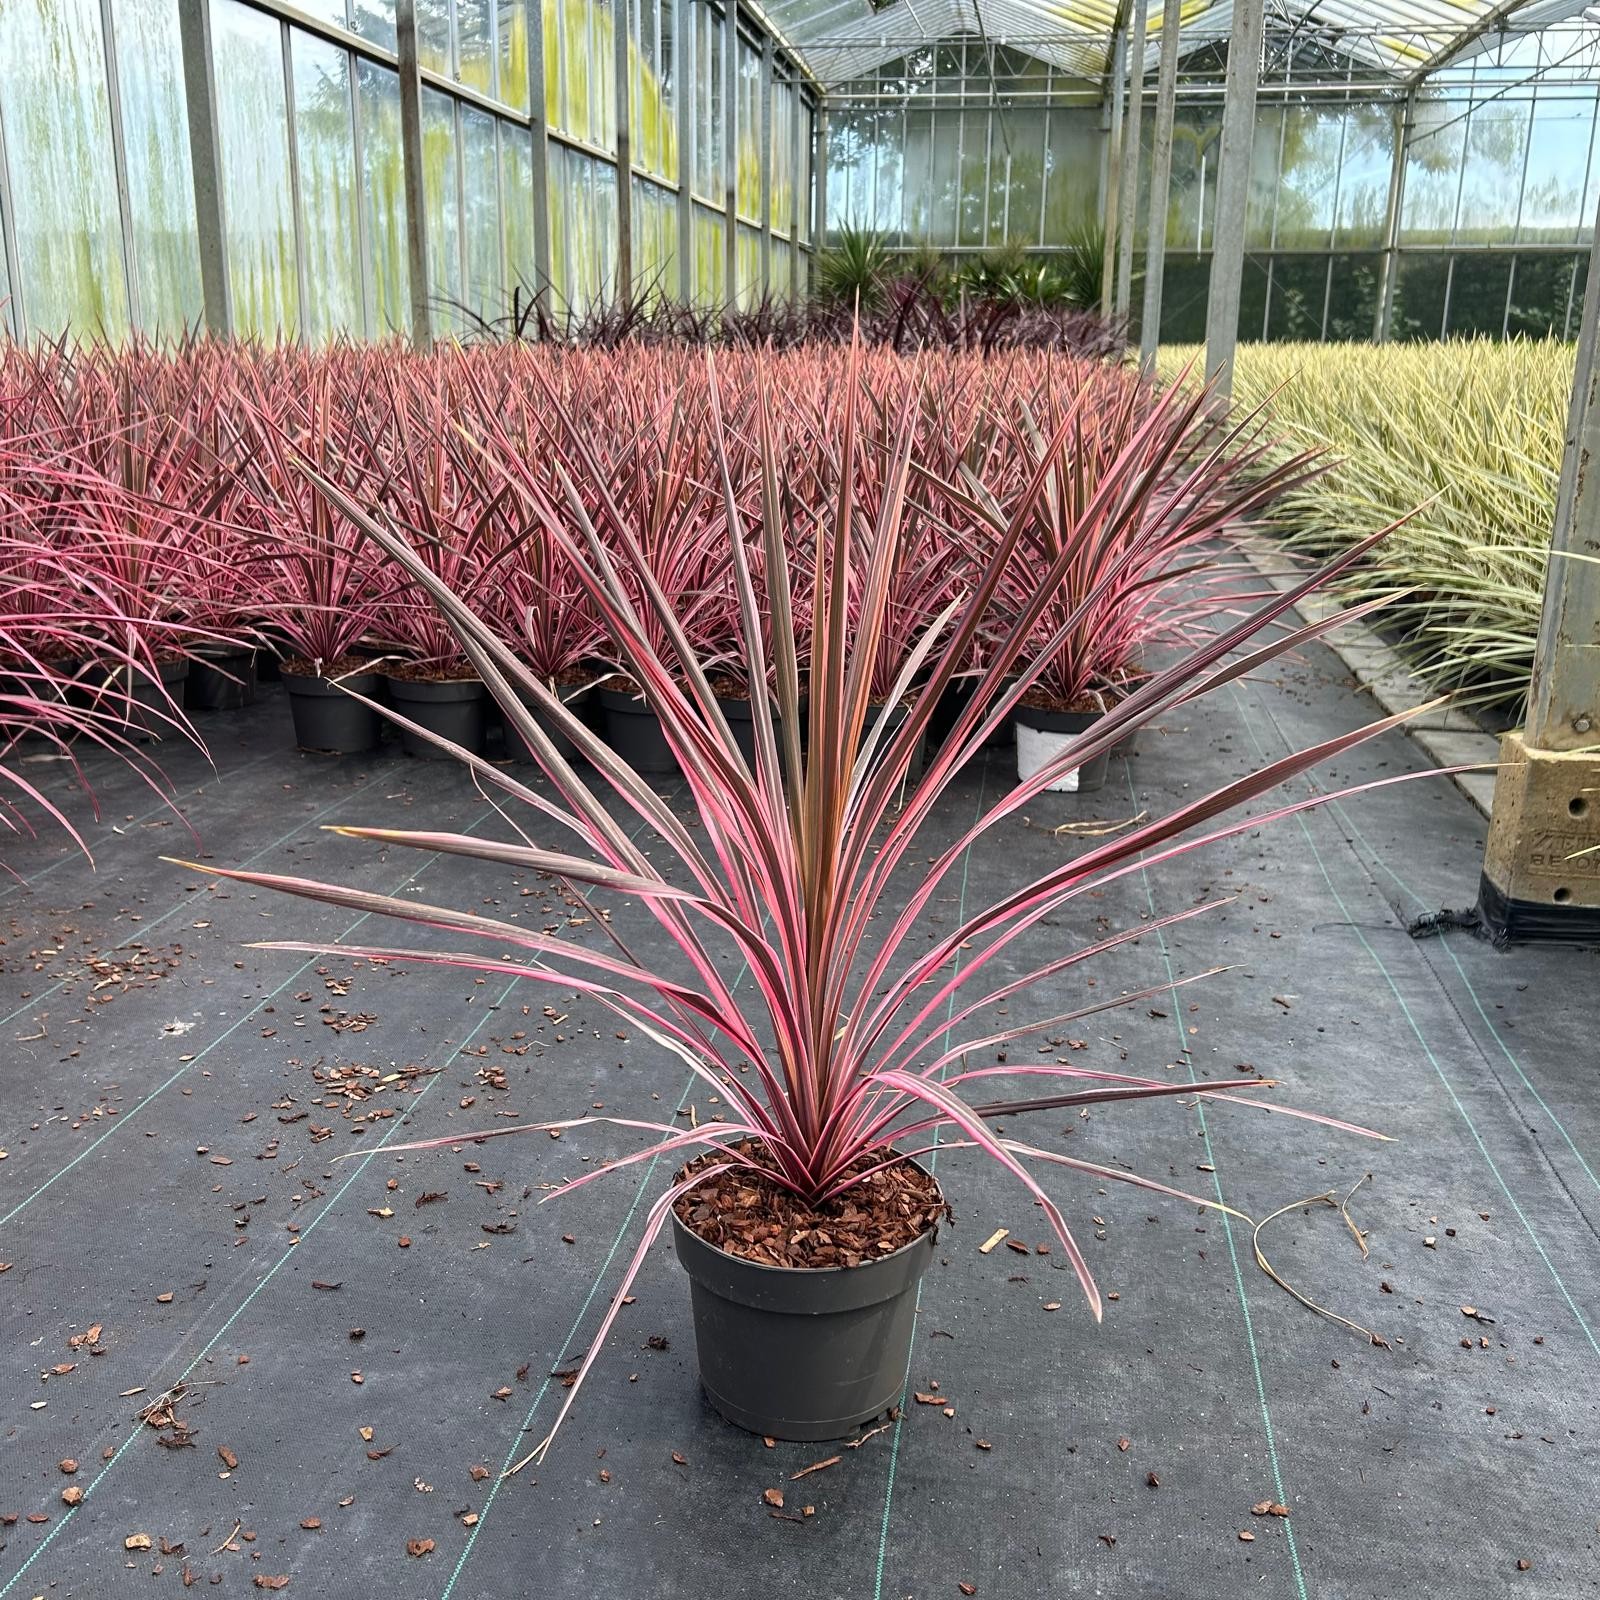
(1128, 179)
(819, 184)
(1404, 121)
(683, 67)
(405, 17)
(621, 28)
(797, 197)
(1155, 258)
(1541, 867)
(764, 144)
(1112, 126)
(539, 150)
(205, 159)
(730, 154)
(1233, 193)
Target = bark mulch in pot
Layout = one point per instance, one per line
(749, 1215)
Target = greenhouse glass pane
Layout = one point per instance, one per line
(1419, 297)
(433, 35)
(1311, 139)
(748, 130)
(1024, 176)
(1558, 160)
(516, 176)
(63, 186)
(602, 66)
(1497, 138)
(1299, 294)
(374, 20)
(258, 200)
(1261, 202)
(325, 143)
(605, 229)
(888, 183)
(155, 130)
(710, 261)
(806, 176)
(323, 10)
(944, 182)
(1541, 290)
(1253, 282)
(917, 218)
(655, 241)
(1072, 173)
(558, 180)
(441, 190)
(475, 55)
(667, 68)
(1184, 286)
(481, 210)
(1196, 140)
(383, 195)
(974, 177)
(1433, 172)
(709, 122)
(513, 34)
(1364, 180)
(748, 267)
(1353, 296)
(1478, 294)
(782, 188)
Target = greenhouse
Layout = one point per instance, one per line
(799, 797)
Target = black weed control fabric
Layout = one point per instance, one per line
(347, 1354)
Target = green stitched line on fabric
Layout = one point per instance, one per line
(1439, 1072)
(138, 821)
(182, 905)
(577, 1325)
(200, 1055)
(933, 1159)
(1233, 1249)
(1477, 1001)
(240, 1309)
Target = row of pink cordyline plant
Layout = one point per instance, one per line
(856, 1045)
(173, 474)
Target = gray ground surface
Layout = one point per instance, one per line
(153, 1184)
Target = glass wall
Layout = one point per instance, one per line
(97, 196)
(967, 145)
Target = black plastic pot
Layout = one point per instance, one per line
(327, 719)
(517, 748)
(151, 701)
(896, 719)
(1030, 720)
(796, 1353)
(741, 719)
(633, 730)
(453, 708)
(221, 680)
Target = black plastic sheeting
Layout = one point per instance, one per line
(160, 1181)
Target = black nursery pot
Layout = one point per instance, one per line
(1035, 721)
(220, 680)
(453, 708)
(633, 730)
(151, 700)
(326, 719)
(802, 1353)
(577, 701)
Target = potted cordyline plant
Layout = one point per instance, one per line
(804, 1219)
(1132, 491)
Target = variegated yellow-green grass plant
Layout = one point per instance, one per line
(1467, 435)
(849, 1050)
